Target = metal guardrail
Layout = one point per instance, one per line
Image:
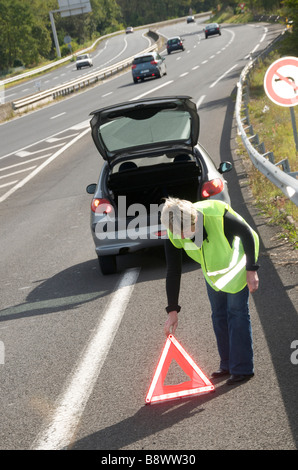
(284, 179)
(75, 85)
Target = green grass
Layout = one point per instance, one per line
(273, 125)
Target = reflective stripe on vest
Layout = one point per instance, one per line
(224, 280)
(233, 261)
(232, 270)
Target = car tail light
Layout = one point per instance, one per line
(133, 66)
(212, 187)
(101, 206)
(160, 233)
(153, 62)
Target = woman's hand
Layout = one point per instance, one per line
(171, 323)
(252, 279)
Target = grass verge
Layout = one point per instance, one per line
(273, 125)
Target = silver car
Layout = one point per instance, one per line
(150, 150)
(150, 65)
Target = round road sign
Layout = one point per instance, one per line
(281, 81)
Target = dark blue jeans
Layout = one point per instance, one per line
(232, 328)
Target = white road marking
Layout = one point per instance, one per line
(17, 172)
(152, 91)
(37, 170)
(8, 184)
(222, 76)
(199, 102)
(59, 434)
(25, 162)
(57, 115)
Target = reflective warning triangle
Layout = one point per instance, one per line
(197, 384)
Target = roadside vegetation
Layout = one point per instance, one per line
(274, 127)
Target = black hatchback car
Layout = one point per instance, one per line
(210, 29)
(151, 151)
(175, 44)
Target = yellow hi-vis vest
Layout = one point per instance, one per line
(223, 265)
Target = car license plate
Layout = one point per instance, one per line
(145, 71)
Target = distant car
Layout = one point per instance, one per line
(150, 65)
(83, 60)
(210, 29)
(150, 150)
(129, 30)
(175, 44)
(190, 19)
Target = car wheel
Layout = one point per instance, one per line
(135, 80)
(107, 264)
(206, 37)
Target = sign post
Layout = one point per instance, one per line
(281, 86)
(68, 8)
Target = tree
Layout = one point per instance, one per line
(24, 35)
(292, 13)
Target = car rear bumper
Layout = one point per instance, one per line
(127, 240)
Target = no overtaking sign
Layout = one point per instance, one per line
(281, 81)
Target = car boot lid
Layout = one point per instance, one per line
(145, 125)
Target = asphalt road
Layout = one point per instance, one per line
(78, 349)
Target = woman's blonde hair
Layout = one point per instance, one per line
(178, 215)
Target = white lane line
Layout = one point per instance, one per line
(8, 184)
(25, 162)
(57, 115)
(59, 434)
(152, 91)
(25, 153)
(18, 172)
(222, 76)
(200, 101)
(22, 183)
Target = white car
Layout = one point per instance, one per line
(83, 60)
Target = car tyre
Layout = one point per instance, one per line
(107, 264)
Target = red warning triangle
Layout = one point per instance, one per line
(197, 384)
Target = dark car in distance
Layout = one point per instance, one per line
(211, 29)
(175, 44)
(151, 151)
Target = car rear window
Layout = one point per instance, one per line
(145, 127)
(142, 60)
(173, 41)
